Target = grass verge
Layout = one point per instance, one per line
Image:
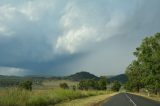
(89, 101)
(152, 96)
(18, 97)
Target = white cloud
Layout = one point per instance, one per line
(34, 9)
(76, 33)
(31, 9)
(4, 31)
(82, 27)
(76, 38)
(11, 71)
(7, 12)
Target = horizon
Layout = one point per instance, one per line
(59, 38)
(31, 75)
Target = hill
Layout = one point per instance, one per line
(82, 76)
(15, 80)
(122, 78)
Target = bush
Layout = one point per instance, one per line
(26, 85)
(74, 87)
(64, 85)
(116, 86)
(102, 83)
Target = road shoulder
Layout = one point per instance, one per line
(155, 98)
(89, 101)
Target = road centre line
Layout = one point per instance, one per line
(131, 100)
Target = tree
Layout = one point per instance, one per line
(116, 86)
(89, 84)
(83, 85)
(64, 85)
(134, 76)
(148, 68)
(26, 85)
(74, 87)
(102, 83)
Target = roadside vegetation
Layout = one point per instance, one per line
(100, 84)
(151, 96)
(22, 97)
(25, 93)
(90, 101)
(144, 71)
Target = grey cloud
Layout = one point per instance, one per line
(70, 36)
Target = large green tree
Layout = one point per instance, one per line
(134, 76)
(102, 83)
(146, 69)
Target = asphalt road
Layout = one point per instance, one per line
(125, 99)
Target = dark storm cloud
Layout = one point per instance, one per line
(52, 37)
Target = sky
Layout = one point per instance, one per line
(62, 37)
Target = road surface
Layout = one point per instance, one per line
(125, 99)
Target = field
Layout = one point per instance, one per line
(47, 94)
(51, 84)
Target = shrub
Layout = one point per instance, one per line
(64, 85)
(26, 85)
(74, 87)
(102, 83)
(116, 86)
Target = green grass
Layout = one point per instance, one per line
(89, 101)
(18, 97)
(14, 97)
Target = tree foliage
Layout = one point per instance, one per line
(64, 85)
(26, 85)
(101, 84)
(144, 72)
(116, 86)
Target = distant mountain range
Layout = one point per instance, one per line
(121, 78)
(86, 75)
(14, 80)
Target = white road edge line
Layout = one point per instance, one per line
(131, 100)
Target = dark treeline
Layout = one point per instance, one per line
(144, 71)
(10, 81)
(94, 84)
(100, 84)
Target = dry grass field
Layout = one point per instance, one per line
(47, 94)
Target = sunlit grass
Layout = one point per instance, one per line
(18, 97)
(89, 101)
(14, 97)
